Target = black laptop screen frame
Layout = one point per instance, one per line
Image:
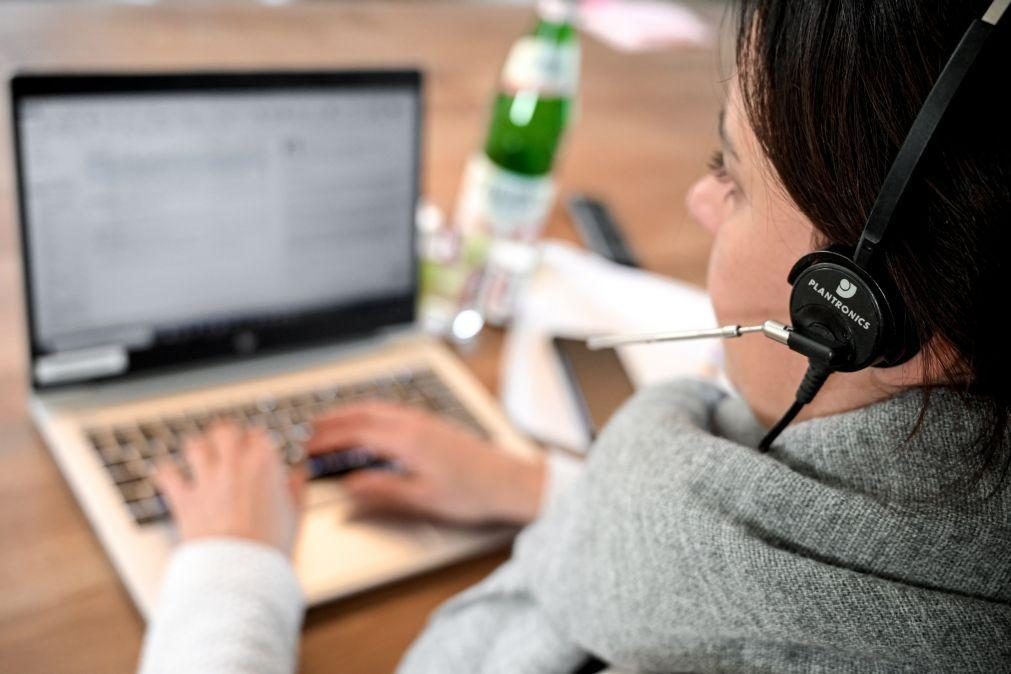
(240, 339)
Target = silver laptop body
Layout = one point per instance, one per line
(223, 244)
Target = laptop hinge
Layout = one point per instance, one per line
(200, 376)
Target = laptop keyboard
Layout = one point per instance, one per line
(130, 452)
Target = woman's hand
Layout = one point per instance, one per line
(443, 470)
(238, 488)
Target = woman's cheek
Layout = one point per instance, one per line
(728, 279)
(714, 282)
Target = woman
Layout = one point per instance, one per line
(874, 535)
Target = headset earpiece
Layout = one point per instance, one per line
(835, 300)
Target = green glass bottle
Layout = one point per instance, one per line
(529, 117)
(508, 188)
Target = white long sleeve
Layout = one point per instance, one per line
(234, 606)
(227, 606)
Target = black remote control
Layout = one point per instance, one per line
(600, 231)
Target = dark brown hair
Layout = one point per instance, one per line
(831, 87)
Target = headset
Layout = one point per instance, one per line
(845, 313)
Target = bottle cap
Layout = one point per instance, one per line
(558, 11)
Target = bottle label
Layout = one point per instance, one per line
(543, 66)
(498, 203)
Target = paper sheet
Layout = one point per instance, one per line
(577, 294)
(643, 25)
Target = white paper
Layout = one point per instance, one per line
(578, 294)
(643, 25)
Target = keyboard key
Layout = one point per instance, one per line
(298, 433)
(125, 435)
(202, 421)
(111, 454)
(181, 426)
(302, 400)
(129, 452)
(266, 404)
(292, 452)
(138, 468)
(155, 448)
(153, 429)
(282, 418)
(327, 395)
(100, 437)
(120, 473)
(148, 509)
(136, 490)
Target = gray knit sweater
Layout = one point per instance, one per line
(681, 548)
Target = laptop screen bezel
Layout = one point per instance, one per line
(239, 340)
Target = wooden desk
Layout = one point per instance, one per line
(646, 126)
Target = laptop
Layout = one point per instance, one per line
(229, 245)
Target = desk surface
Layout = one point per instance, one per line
(646, 126)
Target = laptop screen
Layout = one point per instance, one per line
(167, 218)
